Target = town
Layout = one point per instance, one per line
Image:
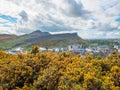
(103, 50)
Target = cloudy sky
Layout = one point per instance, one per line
(89, 18)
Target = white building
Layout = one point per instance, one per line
(16, 50)
(19, 49)
(42, 49)
(88, 50)
(119, 51)
(63, 49)
(103, 47)
(50, 50)
(117, 47)
(75, 48)
(57, 50)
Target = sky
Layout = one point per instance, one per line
(91, 19)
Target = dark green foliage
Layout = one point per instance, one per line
(35, 50)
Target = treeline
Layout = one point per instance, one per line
(103, 42)
(64, 71)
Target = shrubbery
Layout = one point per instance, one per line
(64, 71)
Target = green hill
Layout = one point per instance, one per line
(6, 37)
(43, 39)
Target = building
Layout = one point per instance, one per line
(50, 50)
(117, 47)
(119, 51)
(75, 48)
(63, 49)
(42, 49)
(103, 47)
(16, 50)
(57, 50)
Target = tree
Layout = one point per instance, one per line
(35, 50)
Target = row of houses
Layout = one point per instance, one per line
(103, 50)
(17, 50)
(117, 47)
(57, 50)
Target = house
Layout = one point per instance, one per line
(117, 47)
(91, 49)
(50, 50)
(63, 49)
(16, 50)
(103, 47)
(19, 49)
(57, 50)
(75, 48)
(119, 51)
(11, 52)
(42, 49)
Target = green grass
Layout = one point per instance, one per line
(11, 43)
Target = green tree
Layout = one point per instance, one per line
(35, 50)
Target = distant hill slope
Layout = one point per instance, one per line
(43, 39)
(6, 37)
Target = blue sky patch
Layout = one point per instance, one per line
(98, 19)
(9, 18)
(93, 19)
(118, 19)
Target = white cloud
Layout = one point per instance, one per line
(62, 16)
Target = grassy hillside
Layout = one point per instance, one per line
(61, 42)
(5, 37)
(43, 39)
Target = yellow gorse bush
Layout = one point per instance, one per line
(64, 71)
